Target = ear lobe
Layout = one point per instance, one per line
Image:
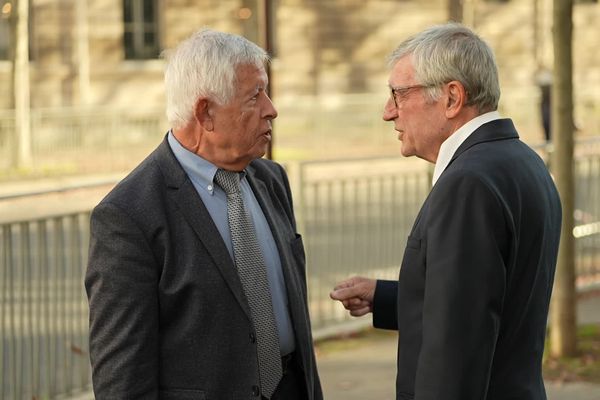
(203, 113)
(457, 97)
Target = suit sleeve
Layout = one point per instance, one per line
(385, 305)
(121, 283)
(465, 274)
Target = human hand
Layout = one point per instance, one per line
(356, 294)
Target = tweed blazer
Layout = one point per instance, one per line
(168, 315)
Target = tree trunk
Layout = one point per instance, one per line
(266, 41)
(563, 332)
(12, 46)
(21, 84)
(455, 10)
(83, 52)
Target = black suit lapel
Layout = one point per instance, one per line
(181, 191)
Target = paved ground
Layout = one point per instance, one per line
(361, 369)
(368, 371)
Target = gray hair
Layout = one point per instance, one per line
(449, 52)
(204, 65)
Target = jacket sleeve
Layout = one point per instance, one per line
(467, 239)
(121, 283)
(385, 305)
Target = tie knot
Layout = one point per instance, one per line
(228, 180)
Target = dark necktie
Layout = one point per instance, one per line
(253, 275)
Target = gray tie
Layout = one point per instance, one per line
(253, 275)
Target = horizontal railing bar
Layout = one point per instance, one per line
(59, 188)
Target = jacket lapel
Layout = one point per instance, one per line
(181, 191)
(276, 223)
(266, 204)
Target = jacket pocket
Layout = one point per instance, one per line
(298, 249)
(182, 394)
(413, 261)
(413, 243)
(300, 260)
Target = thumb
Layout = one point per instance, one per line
(344, 293)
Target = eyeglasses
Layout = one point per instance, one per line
(401, 92)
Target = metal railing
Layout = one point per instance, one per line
(587, 216)
(354, 215)
(43, 308)
(69, 139)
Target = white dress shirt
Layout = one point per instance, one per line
(450, 145)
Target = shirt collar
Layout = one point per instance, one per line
(450, 145)
(201, 171)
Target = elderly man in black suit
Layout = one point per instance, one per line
(472, 299)
(196, 275)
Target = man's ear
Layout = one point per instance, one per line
(203, 113)
(457, 98)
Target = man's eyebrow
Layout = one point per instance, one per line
(258, 88)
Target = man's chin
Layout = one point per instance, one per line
(261, 151)
(406, 152)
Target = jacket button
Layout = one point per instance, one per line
(252, 337)
(255, 391)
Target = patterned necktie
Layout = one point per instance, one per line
(253, 275)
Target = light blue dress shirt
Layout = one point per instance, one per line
(202, 172)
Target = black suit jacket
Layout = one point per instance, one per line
(168, 315)
(471, 303)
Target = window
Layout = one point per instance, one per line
(140, 22)
(5, 13)
(7, 17)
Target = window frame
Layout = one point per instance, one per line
(135, 45)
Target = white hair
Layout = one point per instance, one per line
(205, 65)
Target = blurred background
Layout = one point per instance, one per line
(83, 103)
(93, 76)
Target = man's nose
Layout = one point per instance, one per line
(270, 110)
(390, 112)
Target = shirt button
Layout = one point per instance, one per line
(252, 337)
(210, 187)
(255, 391)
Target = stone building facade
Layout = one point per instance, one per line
(329, 70)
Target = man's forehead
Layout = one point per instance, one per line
(252, 74)
(401, 73)
(250, 69)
